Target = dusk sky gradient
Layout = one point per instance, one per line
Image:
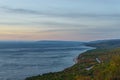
(79, 20)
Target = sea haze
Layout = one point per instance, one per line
(19, 60)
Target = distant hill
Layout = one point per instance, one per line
(98, 41)
(114, 43)
(57, 41)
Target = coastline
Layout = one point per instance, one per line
(76, 59)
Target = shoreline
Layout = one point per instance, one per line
(76, 58)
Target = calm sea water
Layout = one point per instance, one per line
(19, 60)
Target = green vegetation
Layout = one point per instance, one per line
(88, 68)
(108, 71)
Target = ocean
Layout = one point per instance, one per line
(19, 60)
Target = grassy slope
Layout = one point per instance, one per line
(104, 52)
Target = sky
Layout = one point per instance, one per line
(78, 20)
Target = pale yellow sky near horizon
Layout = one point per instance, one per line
(26, 33)
(33, 33)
